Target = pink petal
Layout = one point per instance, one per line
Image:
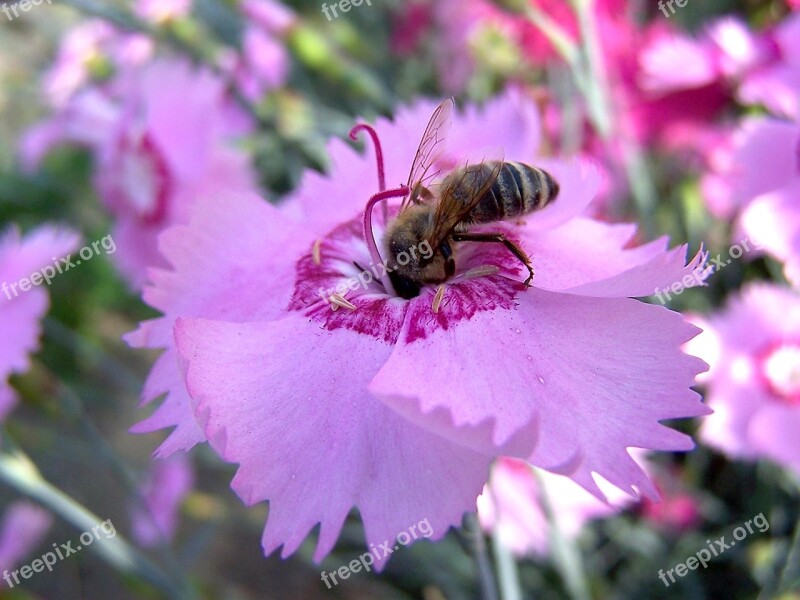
(765, 156)
(20, 257)
(519, 383)
(775, 88)
(313, 442)
(658, 61)
(246, 274)
(593, 258)
(170, 481)
(772, 222)
(23, 527)
(176, 410)
(774, 431)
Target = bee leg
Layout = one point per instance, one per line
(499, 238)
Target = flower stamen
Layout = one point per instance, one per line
(437, 299)
(316, 253)
(338, 300)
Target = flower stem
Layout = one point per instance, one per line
(19, 472)
(507, 573)
(565, 553)
(481, 556)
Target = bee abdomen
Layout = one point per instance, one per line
(518, 190)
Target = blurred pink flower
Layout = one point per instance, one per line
(512, 506)
(21, 531)
(21, 311)
(724, 52)
(263, 63)
(759, 173)
(678, 510)
(328, 410)
(85, 45)
(169, 483)
(155, 152)
(161, 11)
(165, 153)
(753, 349)
(271, 16)
(777, 84)
(449, 27)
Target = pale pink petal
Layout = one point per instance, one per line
(772, 223)
(774, 432)
(20, 257)
(243, 267)
(22, 530)
(170, 481)
(274, 407)
(776, 88)
(659, 59)
(765, 157)
(589, 257)
(521, 385)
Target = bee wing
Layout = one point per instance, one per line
(430, 149)
(452, 208)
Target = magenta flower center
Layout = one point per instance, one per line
(780, 369)
(143, 183)
(343, 281)
(338, 284)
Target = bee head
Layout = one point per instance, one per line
(411, 260)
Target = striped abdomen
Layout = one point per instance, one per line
(518, 190)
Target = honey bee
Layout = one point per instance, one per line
(483, 192)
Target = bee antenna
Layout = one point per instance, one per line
(376, 143)
(369, 235)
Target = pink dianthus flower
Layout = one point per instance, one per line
(394, 408)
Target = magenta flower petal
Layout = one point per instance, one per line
(169, 483)
(766, 156)
(165, 378)
(20, 311)
(753, 388)
(511, 506)
(772, 222)
(516, 372)
(592, 258)
(274, 408)
(224, 258)
(23, 527)
(696, 57)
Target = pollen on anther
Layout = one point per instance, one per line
(481, 271)
(437, 299)
(338, 300)
(316, 252)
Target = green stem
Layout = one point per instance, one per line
(19, 472)
(481, 556)
(791, 568)
(564, 550)
(507, 572)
